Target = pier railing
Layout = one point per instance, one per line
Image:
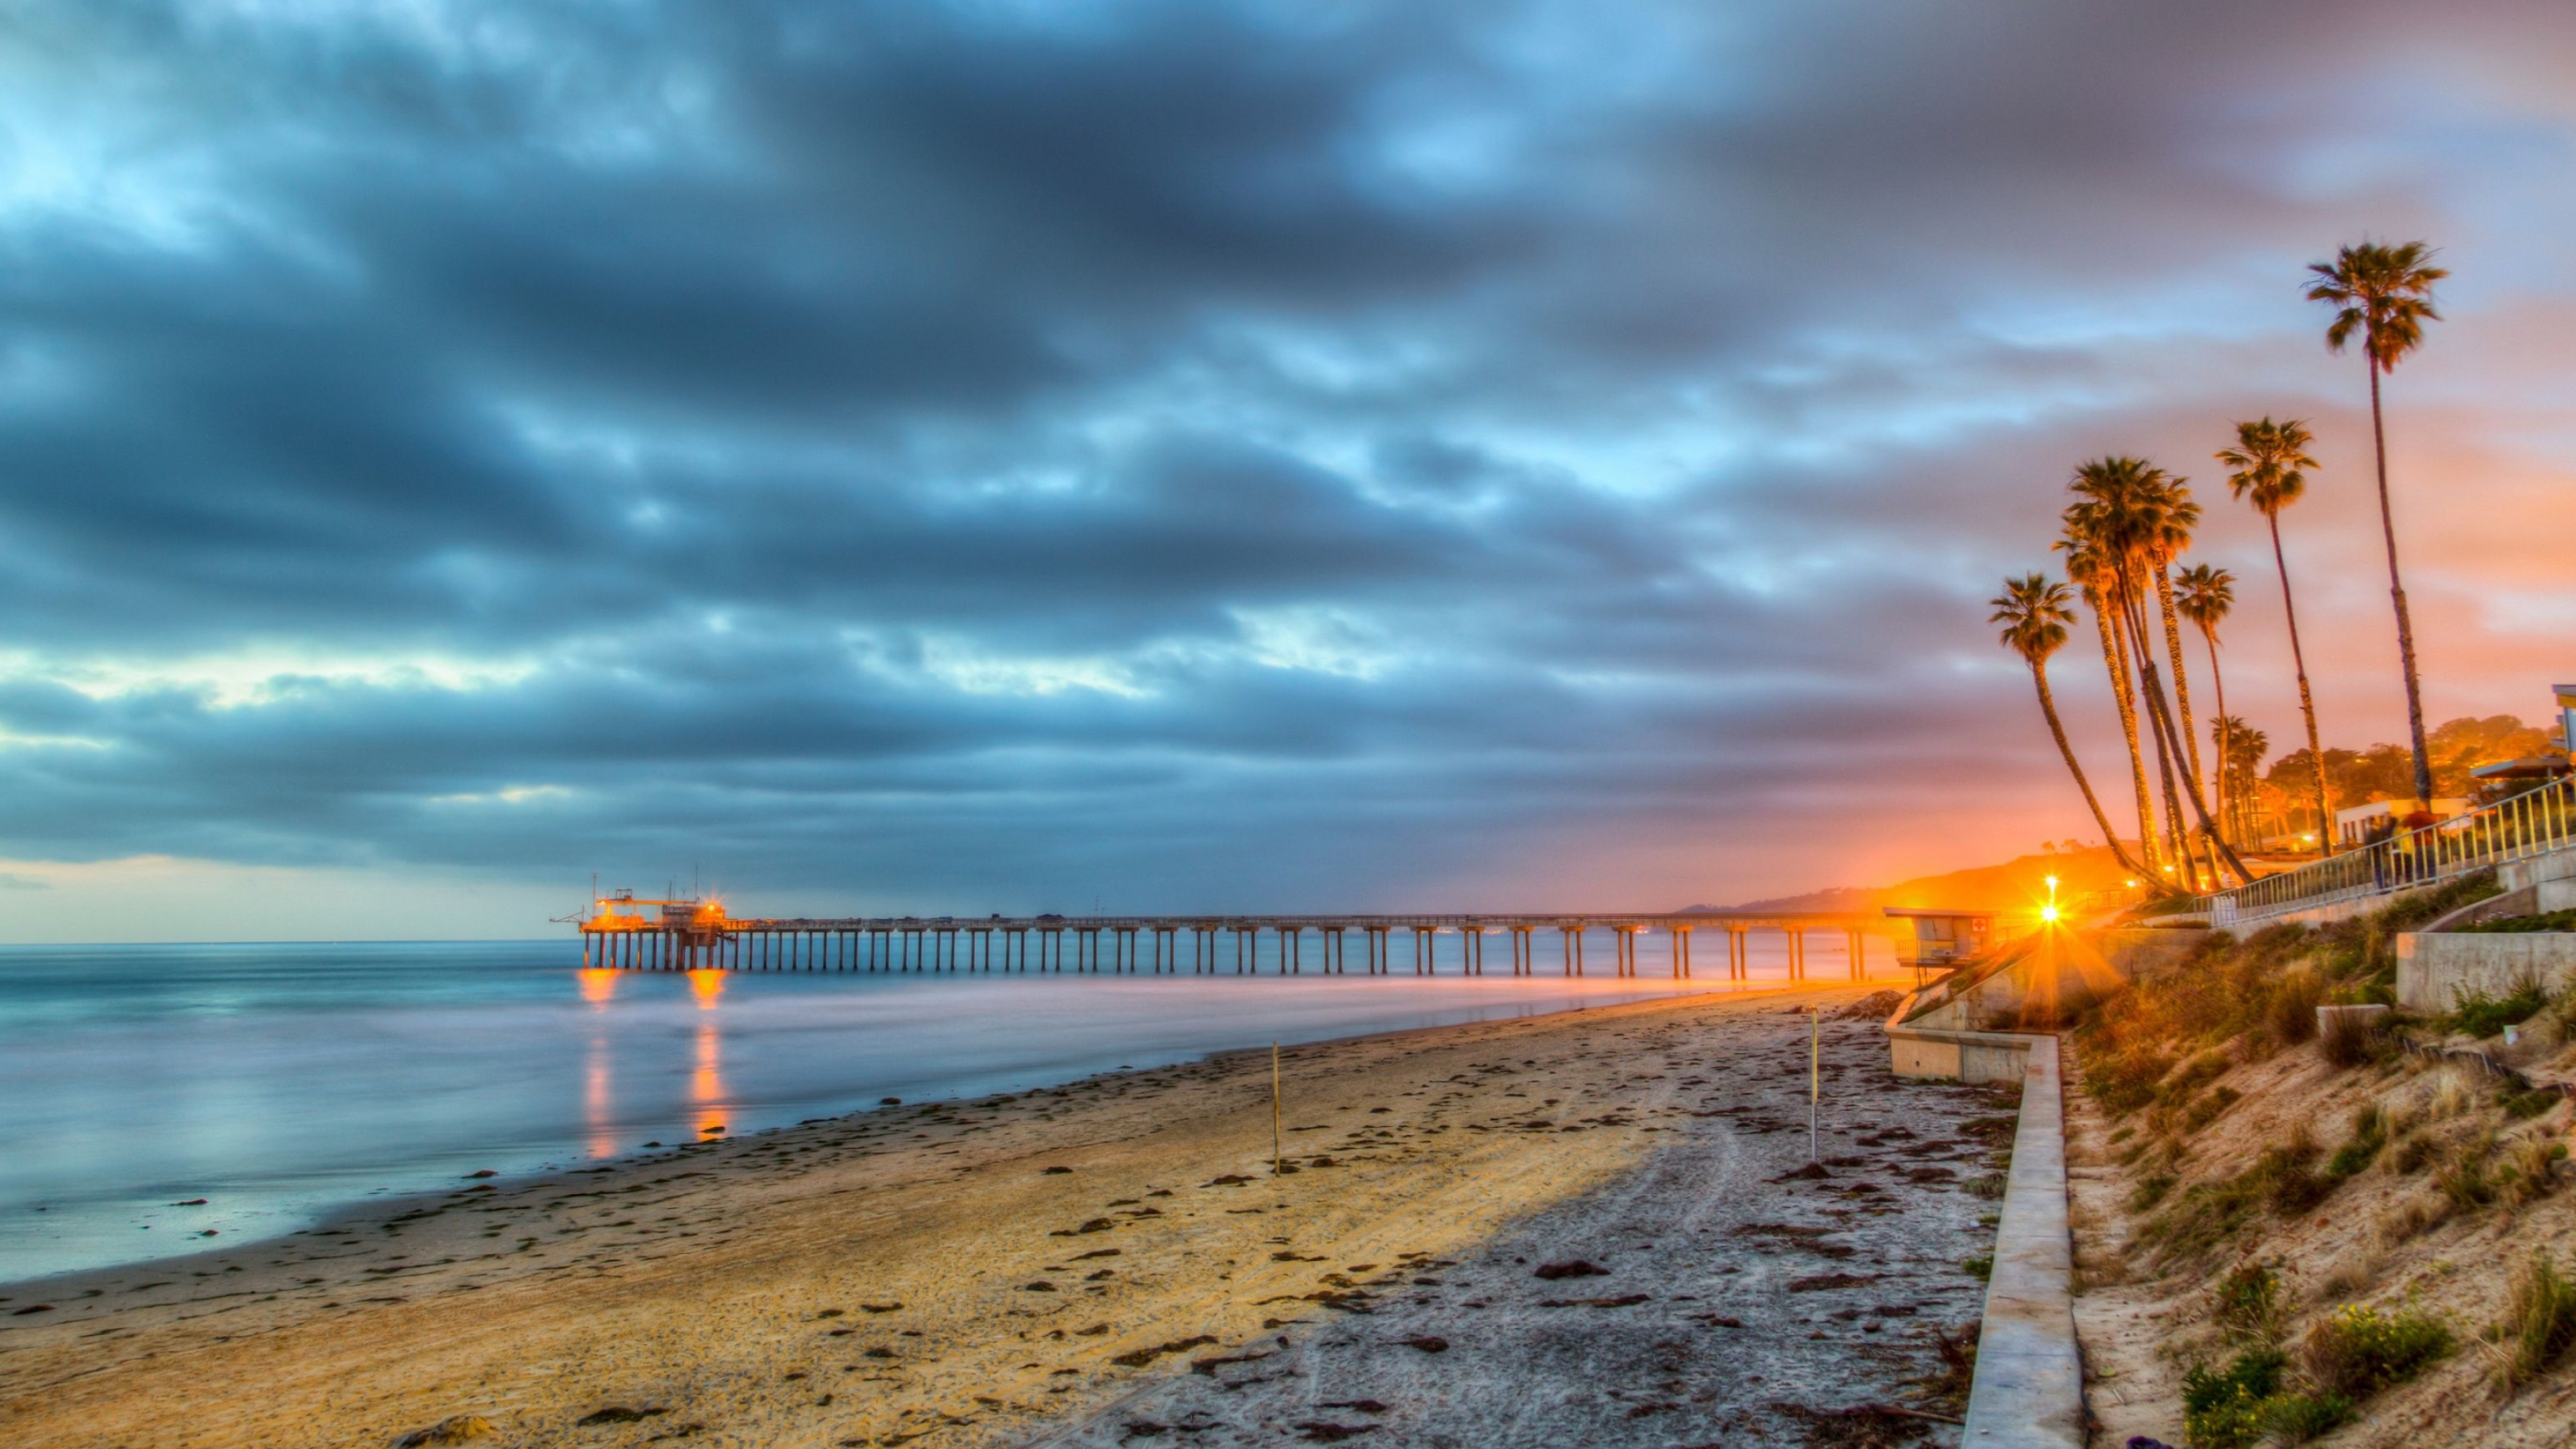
(687, 935)
(2517, 827)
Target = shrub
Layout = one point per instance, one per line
(2298, 1418)
(2523, 1106)
(1981, 1267)
(2464, 1178)
(2208, 1213)
(2530, 1170)
(2413, 1151)
(2289, 1184)
(2478, 1014)
(2150, 1190)
(2296, 1187)
(2369, 1135)
(2198, 1115)
(2126, 1081)
(2349, 1041)
(2421, 908)
(2515, 925)
(2357, 1351)
(2292, 1014)
(2224, 1409)
(2246, 1305)
(2539, 1323)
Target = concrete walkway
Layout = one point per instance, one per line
(2029, 1388)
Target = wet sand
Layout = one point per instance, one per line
(1114, 1260)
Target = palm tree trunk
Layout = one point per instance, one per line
(2173, 651)
(2161, 715)
(2397, 594)
(2218, 777)
(2177, 850)
(2048, 707)
(2307, 704)
(2115, 660)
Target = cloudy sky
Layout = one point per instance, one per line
(1018, 456)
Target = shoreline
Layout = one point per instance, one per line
(297, 1200)
(769, 1255)
(384, 1205)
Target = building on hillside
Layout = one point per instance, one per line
(2355, 824)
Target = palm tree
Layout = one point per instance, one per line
(2386, 294)
(2133, 510)
(2085, 565)
(2203, 594)
(2179, 515)
(2240, 754)
(2267, 470)
(2033, 611)
(2176, 514)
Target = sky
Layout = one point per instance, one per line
(1202, 455)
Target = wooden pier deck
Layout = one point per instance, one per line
(627, 934)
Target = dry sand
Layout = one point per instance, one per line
(1114, 1260)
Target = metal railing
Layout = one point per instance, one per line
(2515, 828)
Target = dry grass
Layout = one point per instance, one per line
(2539, 1324)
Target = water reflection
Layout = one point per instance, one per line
(598, 985)
(598, 1100)
(706, 1084)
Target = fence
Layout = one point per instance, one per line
(2514, 828)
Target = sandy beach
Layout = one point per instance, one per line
(1595, 1227)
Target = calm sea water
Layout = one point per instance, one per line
(282, 1082)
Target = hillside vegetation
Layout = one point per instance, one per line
(2355, 1238)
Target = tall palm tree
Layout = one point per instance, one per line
(2176, 514)
(2033, 611)
(2267, 469)
(2129, 508)
(2177, 517)
(2203, 594)
(2386, 294)
(2086, 566)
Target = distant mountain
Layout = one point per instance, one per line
(1831, 898)
(2017, 883)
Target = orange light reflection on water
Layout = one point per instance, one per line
(706, 1084)
(597, 1099)
(598, 985)
(706, 985)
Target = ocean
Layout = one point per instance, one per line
(283, 1082)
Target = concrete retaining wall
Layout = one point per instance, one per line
(2434, 967)
(2134, 951)
(1964, 1056)
(2029, 1389)
(2551, 878)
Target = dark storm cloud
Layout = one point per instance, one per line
(941, 446)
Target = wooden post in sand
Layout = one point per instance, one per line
(1276, 1160)
(1815, 1078)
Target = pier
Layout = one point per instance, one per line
(624, 933)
